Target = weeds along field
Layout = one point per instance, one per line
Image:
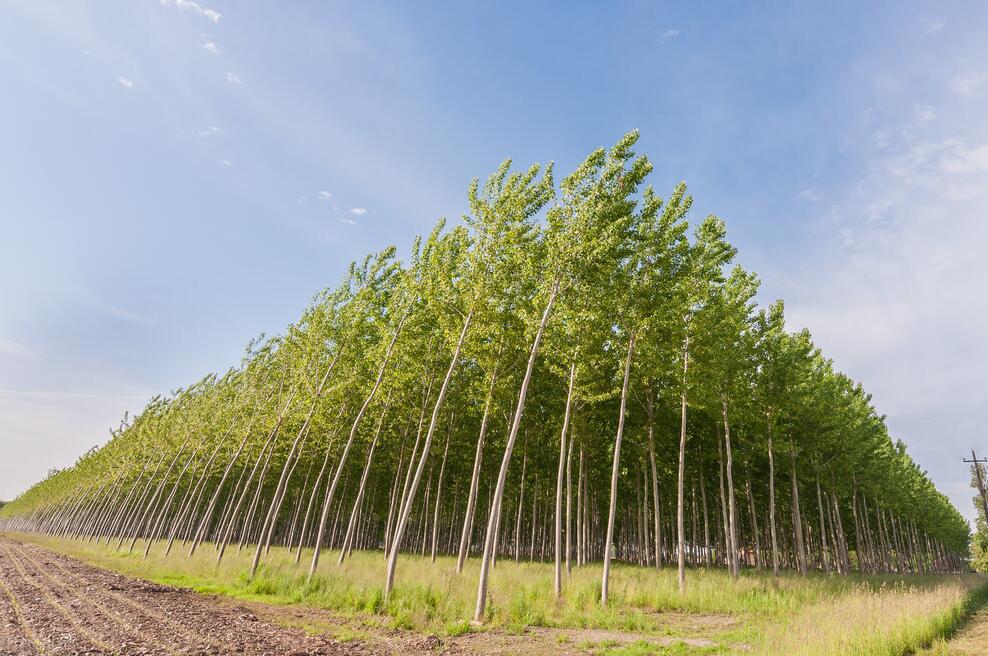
(759, 614)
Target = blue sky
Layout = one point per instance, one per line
(176, 177)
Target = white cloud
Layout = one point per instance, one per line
(933, 26)
(16, 349)
(232, 78)
(225, 163)
(301, 199)
(923, 116)
(124, 82)
(358, 211)
(325, 195)
(668, 34)
(209, 131)
(348, 221)
(190, 7)
(116, 312)
(894, 287)
(965, 84)
(810, 195)
(212, 47)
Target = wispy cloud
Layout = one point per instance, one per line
(225, 163)
(232, 78)
(668, 34)
(894, 286)
(966, 83)
(16, 349)
(810, 195)
(325, 195)
(358, 211)
(124, 82)
(209, 131)
(212, 47)
(348, 221)
(116, 312)
(190, 7)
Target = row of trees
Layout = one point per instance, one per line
(569, 374)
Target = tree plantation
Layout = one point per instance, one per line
(574, 373)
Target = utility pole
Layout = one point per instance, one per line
(976, 462)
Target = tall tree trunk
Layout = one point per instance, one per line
(406, 511)
(706, 518)
(558, 583)
(755, 533)
(439, 491)
(521, 501)
(467, 532)
(655, 479)
(506, 459)
(771, 503)
(824, 552)
(269, 522)
(351, 526)
(616, 470)
(346, 449)
(681, 478)
(797, 519)
(732, 511)
(569, 504)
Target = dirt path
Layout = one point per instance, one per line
(50, 604)
(972, 640)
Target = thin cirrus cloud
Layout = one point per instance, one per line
(116, 312)
(668, 34)
(190, 7)
(209, 131)
(325, 195)
(232, 78)
(212, 47)
(16, 349)
(125, 82)
(965, 84)
(348, 221)
(358, 211)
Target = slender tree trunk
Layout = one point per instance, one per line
(403, 517)
(558, 585)
(346, 449)
(569, 505)
(521, 501)
(272, 517)
(732, 512)
(681, 480)
(824, 552)
(467, 532)
(439, 492)
(616, 470)
(771, 503)
(797, 520)
(351, 526)
(506, 459)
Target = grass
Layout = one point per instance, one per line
(881, 615)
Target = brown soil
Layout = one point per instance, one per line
(50, 604)
(53, 604)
